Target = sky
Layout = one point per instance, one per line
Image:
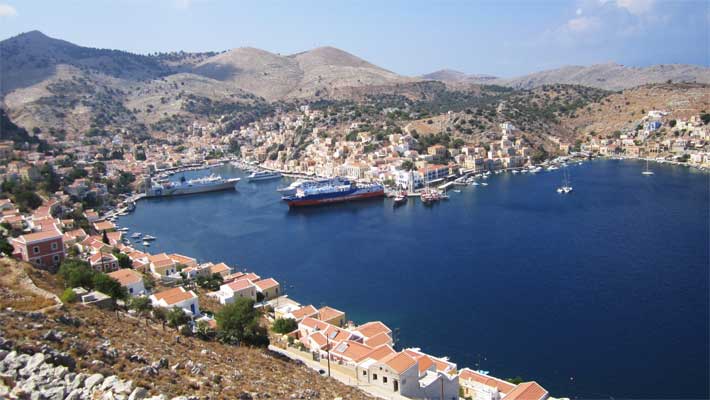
(503, 38)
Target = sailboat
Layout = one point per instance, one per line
(647, 171)
(566, 186)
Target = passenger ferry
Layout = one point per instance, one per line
(210, 183)
(334, 190)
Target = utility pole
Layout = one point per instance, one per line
(327, 344)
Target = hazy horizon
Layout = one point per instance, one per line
(502, 39)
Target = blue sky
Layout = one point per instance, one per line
(503, 38)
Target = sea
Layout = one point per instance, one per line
(600, 293)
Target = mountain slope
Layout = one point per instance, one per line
(312, 73)
(602, 76)
(32, 57)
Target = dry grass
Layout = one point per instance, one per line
(16, 288)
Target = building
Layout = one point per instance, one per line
(177, 298)
(131, 280)
(103, 262)
(528, 391)
(269, 288)
(229, 292)
(477, 386)
(331, 316)
(41, 249)
(162, 265)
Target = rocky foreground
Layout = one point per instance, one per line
(79, 352)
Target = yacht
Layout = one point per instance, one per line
(647, 171)
(263, 176)
(136, 235)
(566, 186)
(146, 243)
(148, 237)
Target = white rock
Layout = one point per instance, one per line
(93, 380)
(138, 393)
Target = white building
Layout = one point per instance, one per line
(177, 297)
(130, 279)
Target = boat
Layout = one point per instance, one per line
(400, 199)
(148, 237)
(457, 191)
(291, 189)
(515, 171)
(475, 184)
(263, 176)
(211, 183)
(146, 243)
(484, 183)
(566, 186)
(647, 171)
(136, 235)
(336, 190)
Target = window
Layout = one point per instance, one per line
(384, 379)
(54, 245)
(56, 258)
(374, 376)
(364, 373)
(35, 249)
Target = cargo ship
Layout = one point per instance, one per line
(212, 183)
(335, 190)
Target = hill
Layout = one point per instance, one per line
(314, 73)
(609, 76)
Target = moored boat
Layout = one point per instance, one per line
(263, 176)
(335, 190)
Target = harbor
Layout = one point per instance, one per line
(465, 306)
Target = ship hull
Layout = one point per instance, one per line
(336, 199)
(183, 191)
(263, 178)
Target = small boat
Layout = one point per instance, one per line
(136, 235)
(515, 171)
(400, 199)
(146, 243)
(484, 184)
(457, 191)
(647, 171)
(566, 186)
(148, 238)
(475, 184)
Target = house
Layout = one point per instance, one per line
(185, 261)
(269, 288)
(103, 262)
(91, 216)
(440, 363)
(41, 249)
(221, 269)
(130, 279)
(177, 298)
(229, 292)
(477, 386)
(393, 373)
(374, 333)
(162, 265)
(101, 226)
(303, 312)
(528, 391)
(349, 352)
(331, 316)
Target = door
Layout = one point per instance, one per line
(396, 385)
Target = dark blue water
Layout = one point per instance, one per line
(600, 293)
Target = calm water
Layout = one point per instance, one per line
(600, 293)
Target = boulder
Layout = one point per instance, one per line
(93, 380)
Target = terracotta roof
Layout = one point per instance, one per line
(265, 284)
(104, 225)
(239, 285)
(158, 257)
(126, 276)
(250, 277)
(502, 386)
(527, 391)
(327, 313)
(381, 352)
(352, 350)
(313, 323)
(399, 362)
(372, 329)
(319, 338)
(424, 363)
(174, 296)
(379, 339)
(303, 312)
(180, 259)
(99, 257)
(40, 236)
(217, 268)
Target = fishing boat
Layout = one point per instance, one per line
(647, 171)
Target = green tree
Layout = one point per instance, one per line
(105, 284)
(76, 273)
(5, 246)
(68, 296)
(284, 325)
(124, 261)
(204, 331)
(140, 304)
(238, 323)
(177, 317)
(407, 165)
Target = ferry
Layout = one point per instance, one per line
(263, 176)
(335, 190)
(291, 189)
(210, 183)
